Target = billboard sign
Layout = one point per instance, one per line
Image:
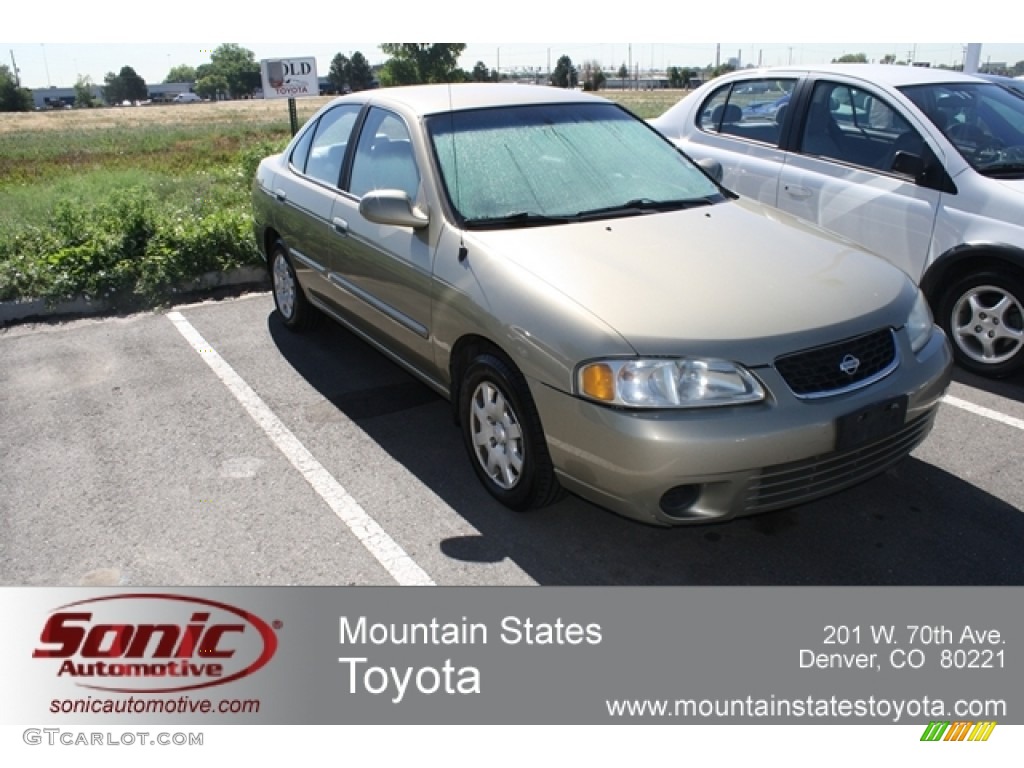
(289, 78)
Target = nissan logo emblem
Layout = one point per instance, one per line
(849, 365)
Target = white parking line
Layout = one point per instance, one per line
(988, 413)
(374, 538)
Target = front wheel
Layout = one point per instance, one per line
(983, 315)
(503, 435)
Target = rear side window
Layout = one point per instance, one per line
(327, 151)
(748, 109)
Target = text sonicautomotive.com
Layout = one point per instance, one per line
(54, 737)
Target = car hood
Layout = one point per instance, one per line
(736, 279)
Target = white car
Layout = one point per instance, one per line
(922, 166)
(186, 98)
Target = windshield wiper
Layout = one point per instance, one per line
(645, 205)
(520, 219)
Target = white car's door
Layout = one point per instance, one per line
(841, 175)
(740, 126)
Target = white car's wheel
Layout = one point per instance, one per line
(983, 315)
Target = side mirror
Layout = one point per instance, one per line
(712, 168)
(908, 164)
(392, 207)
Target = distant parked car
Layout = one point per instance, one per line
(603, 317)
(922, 166)
(186, 98)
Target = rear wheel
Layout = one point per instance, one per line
(983, 315)
(295, 310)
(503, 435)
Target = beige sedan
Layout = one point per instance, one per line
(604, 318)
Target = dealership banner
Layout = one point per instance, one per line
(945, 660)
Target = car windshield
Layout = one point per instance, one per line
(984, 121)
(551, 164)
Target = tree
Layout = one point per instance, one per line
(676, 79)
(124, 86)
(565, 75)
(238, 67)
(360, 73)
(340, 74)
(212, 86)
(889, 59)
(851, 58)
(480, 73)
(623, 75)
(183, 73)
(84, 92)
(13, 98)
(593, 76)
(412, 63)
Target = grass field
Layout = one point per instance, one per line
(123, 202)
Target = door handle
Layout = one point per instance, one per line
(800, 193)
(340, 225)
(281, 195)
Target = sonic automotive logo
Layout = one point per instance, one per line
(190, 643)
(962, 730)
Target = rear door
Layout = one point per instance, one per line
(741, 125)
(306, 195)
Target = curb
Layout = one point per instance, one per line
(37, 309)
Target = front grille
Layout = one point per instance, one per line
(840, 367)
(785, 485)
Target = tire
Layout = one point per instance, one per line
(296, 312)
(503, 435)
(983, 315)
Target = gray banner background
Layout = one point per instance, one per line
(657, 643)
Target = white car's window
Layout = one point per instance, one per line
(564, 162)
(327, 149)
(856, 127)
(384, 157)
(748, 109)
(984, 121)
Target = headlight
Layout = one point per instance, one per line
(673, 383)
(919, 324)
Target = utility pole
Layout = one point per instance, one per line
(14, 65)
(47, 65)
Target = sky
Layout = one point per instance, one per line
(60, 64)
(55, 42)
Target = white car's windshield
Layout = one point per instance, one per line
(528, 165)
(984, 121)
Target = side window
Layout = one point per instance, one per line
(749, 109)
(327, 149)
(714, 111)
(301, 152)
(856, 127)
(384, 157)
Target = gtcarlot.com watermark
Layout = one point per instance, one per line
(64, 737)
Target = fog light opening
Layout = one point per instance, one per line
(676, 502)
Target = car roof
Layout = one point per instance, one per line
(433, 99)
(893, 75)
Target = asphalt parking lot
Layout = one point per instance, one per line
(207, 445)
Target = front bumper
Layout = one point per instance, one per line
(721, 463)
